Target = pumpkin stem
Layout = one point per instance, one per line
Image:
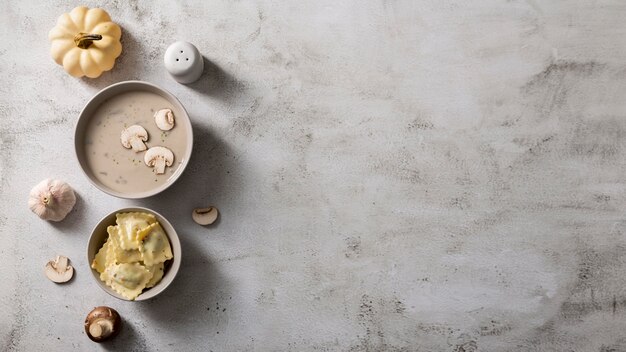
(84, 40)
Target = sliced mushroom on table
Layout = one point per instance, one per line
(59, 270)
(205, 216)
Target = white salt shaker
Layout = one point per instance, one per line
(184, 62)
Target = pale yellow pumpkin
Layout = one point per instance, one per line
(85, 42)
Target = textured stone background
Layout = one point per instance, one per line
(392, 176)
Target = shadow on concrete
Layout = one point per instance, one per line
(198, 282)
(74, 218)
(218, 83)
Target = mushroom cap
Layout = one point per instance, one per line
(164, 119)
(132, 132)
(155, 153)
(108, 314)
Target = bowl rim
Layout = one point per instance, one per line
(95, 100)
(174, 243)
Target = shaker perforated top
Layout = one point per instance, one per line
(184, 62)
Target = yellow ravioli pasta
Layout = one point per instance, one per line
(99, 262)
(127, 279)
(127, 256)
(133, 256)
(157, 274)
(129, 225)
(154, 245)
(121, 255)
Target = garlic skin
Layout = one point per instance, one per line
(51, 199)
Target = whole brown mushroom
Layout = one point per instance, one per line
(102, 323)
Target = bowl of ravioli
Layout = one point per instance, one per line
(134, 253)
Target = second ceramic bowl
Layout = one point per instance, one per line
(118, 169)
(99, 236)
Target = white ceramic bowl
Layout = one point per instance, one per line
(99, 235)
(90, 108)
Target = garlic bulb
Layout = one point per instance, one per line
(52, 199)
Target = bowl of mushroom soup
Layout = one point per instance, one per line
(133, 139)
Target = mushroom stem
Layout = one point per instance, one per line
(100, 328)
(137, 144)
(159, 166)
(61, 263)
(84, 40)
(102, 323)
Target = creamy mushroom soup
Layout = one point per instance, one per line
(121, 169)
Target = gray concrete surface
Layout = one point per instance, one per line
(392, 176)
